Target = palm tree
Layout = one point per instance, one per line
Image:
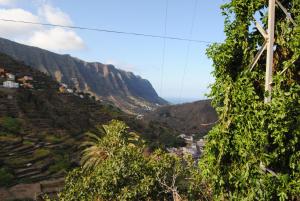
(106, 141)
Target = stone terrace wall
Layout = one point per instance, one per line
(31, 191)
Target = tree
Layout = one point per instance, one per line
(177, 177)
(10, 124)
(115, 168)
(253, 153)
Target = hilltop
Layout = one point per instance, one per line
(188, 118)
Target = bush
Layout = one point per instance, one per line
(115, 168)
(39, 153)
(6, 177)
(10, 124)
(62, 163)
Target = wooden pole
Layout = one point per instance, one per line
(270, 45)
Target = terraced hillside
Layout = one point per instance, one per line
(41, 129)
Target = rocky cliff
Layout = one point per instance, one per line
(125, 89)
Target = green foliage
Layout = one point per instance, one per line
(27, 142)
(115, 168)
(61, 163)
(108, 140)
(159, 136)
(10, 125)
(253, 153)
(20, 161)
(40, 153)
(52, 138)
(178, 177)
(5, 177)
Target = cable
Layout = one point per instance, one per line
(164, 49)
(187, 56)
(108, 31)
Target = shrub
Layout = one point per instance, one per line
(6, 178)
(10, 124)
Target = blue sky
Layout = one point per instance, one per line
(141, 55)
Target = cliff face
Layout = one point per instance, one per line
(126, 90)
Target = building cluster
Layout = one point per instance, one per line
(139, 117)
(193, 147)
(9, 80)
(65, 89)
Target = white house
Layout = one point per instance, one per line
(11, 76)
(70, 90)
(182, 136)
(10, 84)
(64, 85)
(139, 117)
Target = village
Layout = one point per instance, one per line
(193, 147)
(11, 81)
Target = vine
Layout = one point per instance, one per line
(254, 151)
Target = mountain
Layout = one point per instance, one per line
(127, 91)
(42, 128)
(189, 118)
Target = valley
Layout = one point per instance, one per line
(43, 126)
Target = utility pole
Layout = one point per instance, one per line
(270, 51)
(269, 44)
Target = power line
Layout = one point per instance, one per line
(187, 56)
(108, 31)
(164, 49)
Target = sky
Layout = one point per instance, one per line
(178, 70)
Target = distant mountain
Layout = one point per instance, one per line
(127, 91)
(189, 118)
(175, 101)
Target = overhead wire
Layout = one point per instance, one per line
(108, 31)
(187, 56)
(164, 49)
(164, 37)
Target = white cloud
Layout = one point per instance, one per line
(54, 15)
(56, 39)
(7, 2)
(12, 29)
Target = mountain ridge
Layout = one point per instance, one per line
(126, 90)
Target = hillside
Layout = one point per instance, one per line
(127, 91)
(41, 129)
(189, 118)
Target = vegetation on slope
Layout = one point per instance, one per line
(190, 118)
(41, 129)
(115, 167)
(254, 151)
